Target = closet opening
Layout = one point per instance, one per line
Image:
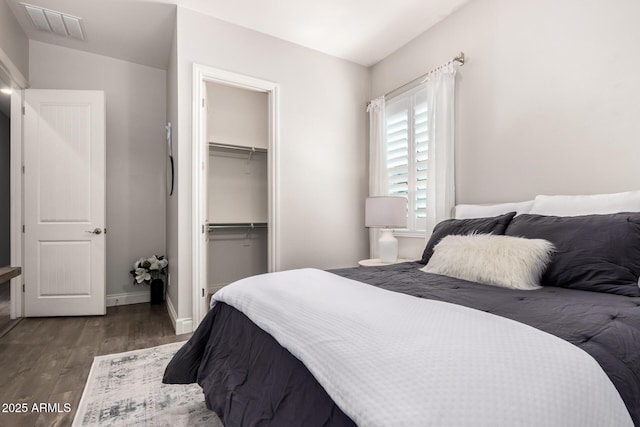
(235, 194)
(237, 190)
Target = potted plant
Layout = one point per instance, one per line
(149, 271)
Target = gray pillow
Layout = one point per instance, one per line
(460, 227)
(598, 253)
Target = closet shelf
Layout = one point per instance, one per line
(213, 144)
(231, 225)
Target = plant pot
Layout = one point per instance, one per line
(157, 291)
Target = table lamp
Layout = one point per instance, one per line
(386, 213)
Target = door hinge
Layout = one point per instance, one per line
(202, 292)
(202, 102)
(23, 287)
(23, 228)
(23, 169)
(202, 228)
(23, 111)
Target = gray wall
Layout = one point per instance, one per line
(547, 102)
(172, 201)
(135, 145)
(5, 199)
(13, 41)
(322, 143)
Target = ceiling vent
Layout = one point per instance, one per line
(54, 22)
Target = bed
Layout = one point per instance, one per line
(252, 374)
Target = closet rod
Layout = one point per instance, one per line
(228, 225)
(236, 147)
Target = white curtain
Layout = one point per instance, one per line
(377, 133)
(440, 173)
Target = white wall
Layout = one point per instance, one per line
(13, 41)
(237, 116)
(235, 254)
(322, 142)
(237, 187)
(136, 110)
(547, 102)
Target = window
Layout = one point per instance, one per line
(412, 150)
(407, 154)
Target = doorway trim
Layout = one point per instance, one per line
(201, 75)
(18, 82)
(17, 200)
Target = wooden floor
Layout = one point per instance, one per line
(47, 360)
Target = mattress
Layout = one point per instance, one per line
(249, 379)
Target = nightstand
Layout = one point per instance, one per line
(375, 262)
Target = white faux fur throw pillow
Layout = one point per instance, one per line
(510, 262)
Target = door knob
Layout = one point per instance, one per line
(95, 231)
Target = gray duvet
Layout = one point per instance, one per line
(249, 379)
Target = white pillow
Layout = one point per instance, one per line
(484, 211)
(510, 262)
(587, 205)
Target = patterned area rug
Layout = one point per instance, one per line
(126, 389)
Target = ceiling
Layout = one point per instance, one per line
(140, 31)
(361, 31)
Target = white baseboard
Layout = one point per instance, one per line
(129, 298)
(181, 326)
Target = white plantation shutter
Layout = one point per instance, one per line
(397, 152)
(421, 144)
(407, 154)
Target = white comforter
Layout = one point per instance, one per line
(389, 359)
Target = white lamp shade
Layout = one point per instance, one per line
(386, 212)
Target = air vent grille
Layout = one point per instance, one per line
(38, 18)
(73, 26)
(54, 22)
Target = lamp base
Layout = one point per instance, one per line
(387, 246)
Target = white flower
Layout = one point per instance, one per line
(157, 264)
(142, 275)
(147, 269)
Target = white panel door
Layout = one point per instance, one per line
(64, 203)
